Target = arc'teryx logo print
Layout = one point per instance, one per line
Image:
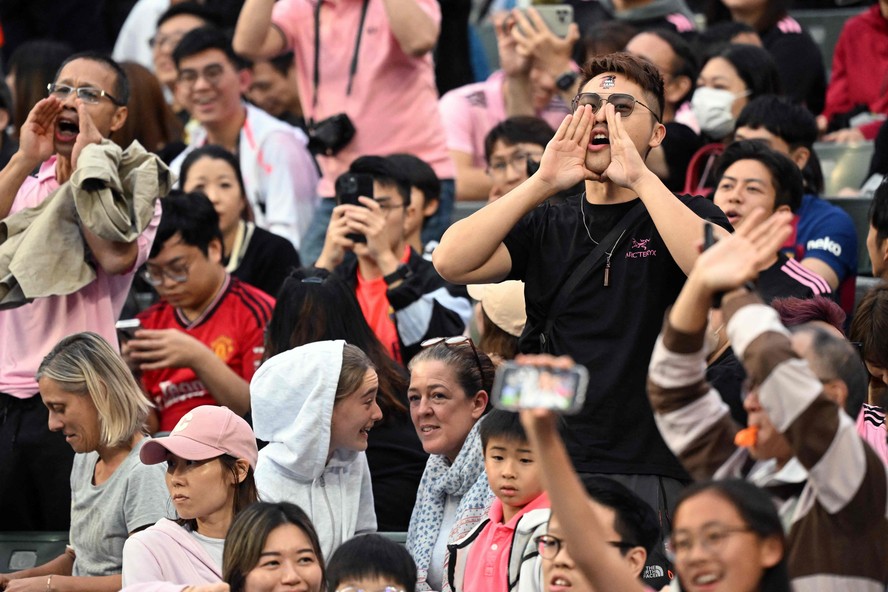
(638, 249)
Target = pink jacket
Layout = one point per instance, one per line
(166, 558)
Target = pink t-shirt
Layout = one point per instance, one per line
(393, 102)
(471, 111)
(487, 566)
(29, 332)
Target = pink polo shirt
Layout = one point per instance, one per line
(487, 566)
(471, 111)
(29, 332)
(394, 101)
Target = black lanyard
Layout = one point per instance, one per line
(354, 62)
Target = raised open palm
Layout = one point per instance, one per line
(626, 165)
(37, 134)
(564, 162)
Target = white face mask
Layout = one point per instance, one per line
(713, 108)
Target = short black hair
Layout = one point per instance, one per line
(878, 212)
(790, 122)
(383, 171)
(121, 89)
(418, 173)
(281, 62)
(501, 424)
(369, 556)
(206, 14)
(634, 520)
(520, 129)
(192, 216)
(720, 34)
(206, 38)
(785, 175)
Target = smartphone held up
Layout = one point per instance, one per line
(519, 387)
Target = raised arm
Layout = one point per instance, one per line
(414, 28)
(254, 35)
(35, 146)
(472, 250)
(594, 556)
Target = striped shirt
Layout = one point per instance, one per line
(838, 517)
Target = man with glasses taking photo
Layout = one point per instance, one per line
(86, 102)
(402, 297)
(201, 344)
(600, 269)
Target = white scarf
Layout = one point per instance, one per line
(466, 478)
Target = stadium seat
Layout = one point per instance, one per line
(23, 550)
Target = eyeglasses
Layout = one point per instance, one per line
(159, 41)
(88, 94)
(517, 161)
(177, 272)
(385, 204)
(212, 74)
(386, 589)
(623, 104)
(712, 538)
(549, 546)
(455, 341)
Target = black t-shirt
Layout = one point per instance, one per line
(268, 260)
(787, 278)
(610, 330)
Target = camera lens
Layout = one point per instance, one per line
(350, 184)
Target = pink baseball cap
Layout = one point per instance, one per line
(205, 432)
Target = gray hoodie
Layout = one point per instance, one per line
(292, 397)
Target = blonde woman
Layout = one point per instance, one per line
(95, 402)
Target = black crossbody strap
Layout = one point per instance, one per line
(353, 68)
(587, 265)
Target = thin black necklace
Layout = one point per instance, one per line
(607, 262)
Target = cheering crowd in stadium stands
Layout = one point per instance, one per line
(271, 270)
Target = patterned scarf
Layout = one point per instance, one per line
(466, 478)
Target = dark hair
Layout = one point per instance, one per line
(371, 556)
(790, 122)
(634, 519)
(121, 88)
(325, 308)
(461, 359)
(245, 492)
(754, 66)
(757, 510)
(685, 62)
(495, 341)
(870, 325)
(721, 33)
(637, 69)
(34, 64)
(501, 424)
(833, 358)
(878, 212)
(150, 120)
(195, 9)
(192, 216)
(785, 175)
(795, 311)
(384, 172)
(521, 129)
(216, 152)
(281, 62)
(418, 173)
(204, 39)
(605, 37)
(250, 530)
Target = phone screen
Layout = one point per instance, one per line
(527, 387)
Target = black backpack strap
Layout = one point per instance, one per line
(585, 267)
